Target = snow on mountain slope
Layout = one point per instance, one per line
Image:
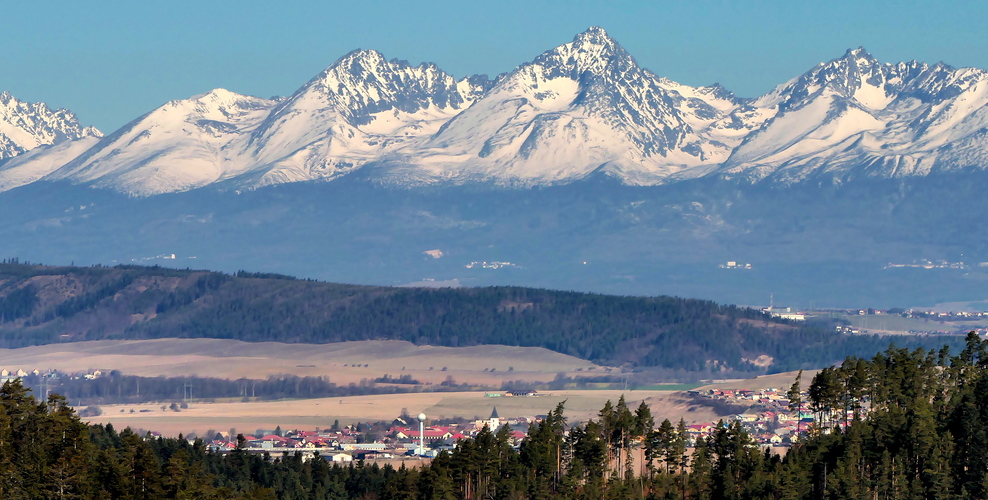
(25, 126)
(581, 107)
(182, 145)
(855, 116)
(357, 110)
(41, 161)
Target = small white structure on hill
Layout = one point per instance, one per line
(785, 313)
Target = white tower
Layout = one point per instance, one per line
(495, 421)
(421, 434)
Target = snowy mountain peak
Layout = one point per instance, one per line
(220, 95)
(592, 51)
(364, 82)
(858, 53)
(856, 76)
(855, 116)
(356, 56)
(221, 104)
(180, 145)
(25, 126)
(583, 108)
(595, 36)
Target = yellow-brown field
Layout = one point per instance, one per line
(343, 363)
(312, 413)
(780, 381)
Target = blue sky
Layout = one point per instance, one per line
(112, 60)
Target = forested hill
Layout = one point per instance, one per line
(42, 304)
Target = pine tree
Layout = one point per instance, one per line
(795, 396)
(624, 422)
(607, 426)
(644, 423)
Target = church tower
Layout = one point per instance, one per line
(495, 421)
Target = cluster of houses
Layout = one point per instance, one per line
(951, 322)
(932, 264)
(917, 313)
(16, 373)
(13, 374)
(348, 443)
(768, 419)
(489, 265)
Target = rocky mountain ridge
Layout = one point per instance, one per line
(25, 126)
(581, 109)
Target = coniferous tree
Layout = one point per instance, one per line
(903, 424)
(795, 396)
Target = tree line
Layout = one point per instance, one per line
(902, 424)
(114, 387)
(647, 332)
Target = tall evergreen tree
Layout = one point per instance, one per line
(795, 396)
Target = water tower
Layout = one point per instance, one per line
(421, 434)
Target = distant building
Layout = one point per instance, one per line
(733, 264)
(364, 446)
(495, 421)
(785, 313)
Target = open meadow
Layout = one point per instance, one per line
(312, 413)
(344, 362)
(782, 381)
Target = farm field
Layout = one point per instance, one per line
(312, 413)
(350, 362)
(343, 363)
(892, 324)
(780, 381)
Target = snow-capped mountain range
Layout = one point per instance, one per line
(581, 108)
(25, 126)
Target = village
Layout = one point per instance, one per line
(766, 414)
(768, 419)
(404, 436)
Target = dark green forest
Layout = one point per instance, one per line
(115, 388)
(903, 424)
(43, 304)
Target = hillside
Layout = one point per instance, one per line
(41, 305)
